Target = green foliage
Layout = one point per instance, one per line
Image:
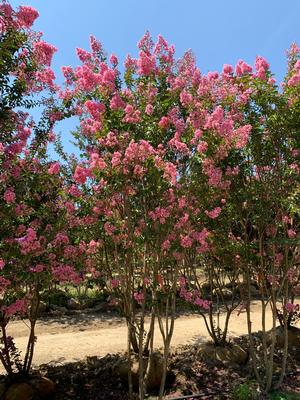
(284, 396)
(243, 392)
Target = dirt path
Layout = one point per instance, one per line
(72, 338)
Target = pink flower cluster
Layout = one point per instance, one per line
(44, 52)
(20, 306)
(138, 297)
(193, 296)
(30, 242)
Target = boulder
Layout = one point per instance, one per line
(89, 303)
(153, 376)
(58, 310)
(155, 371)
(20, 391)
(293, 336)
(227, 293)
(43, 386)
(73, 304)
(243, 289)
(101, 307)
(232, 353)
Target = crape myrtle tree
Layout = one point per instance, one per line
(264, 203)
(217, 105)
(32, 201)
(256, 234)
(131, 183)
(154, 145)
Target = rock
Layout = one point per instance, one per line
(227, 293)
(293, 336)
(101, 307)
(44, 386)
(205, 288)
(20, 391)
(154, 373)
(232, 353)
(89, 303)
(254, 291)
(58, 310)
(73, 304)
(121, 369)
(243, 289)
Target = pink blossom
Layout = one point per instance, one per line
(227, 69)
(97, 162)
(213, 213)
(18, 307)
(65, 273)
(115, 283)
(38, 268)
(290, 307)
(164, 122)
(291, 233)
(149, 109)
(202, 146)
(198, 302)
(131, 115)
(286, 219)
(95, 45)
(278, 258)
(26, 16)
(95, 109)
(138, 297)
(46, 78)
(241, 136)
(116, 159)
(9, 196)
(109, 228)
(61, 239)
(113, 59)
(44, 52)
(83, 55)
(2, 264)
(261, 63)
(166, 245)
(117, 103)
(170, 172)
(54, 168)
(261, 73)
(186, 241)
(4, 283)
(75, 191)
(242, 68)
(146, 281)
(294, 80)
(108, 79)
(186, 98)
(80, 174)
(182, 281)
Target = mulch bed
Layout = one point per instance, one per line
(93, 379)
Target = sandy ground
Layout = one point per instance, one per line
(72, 338)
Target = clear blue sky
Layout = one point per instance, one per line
(218, 31)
